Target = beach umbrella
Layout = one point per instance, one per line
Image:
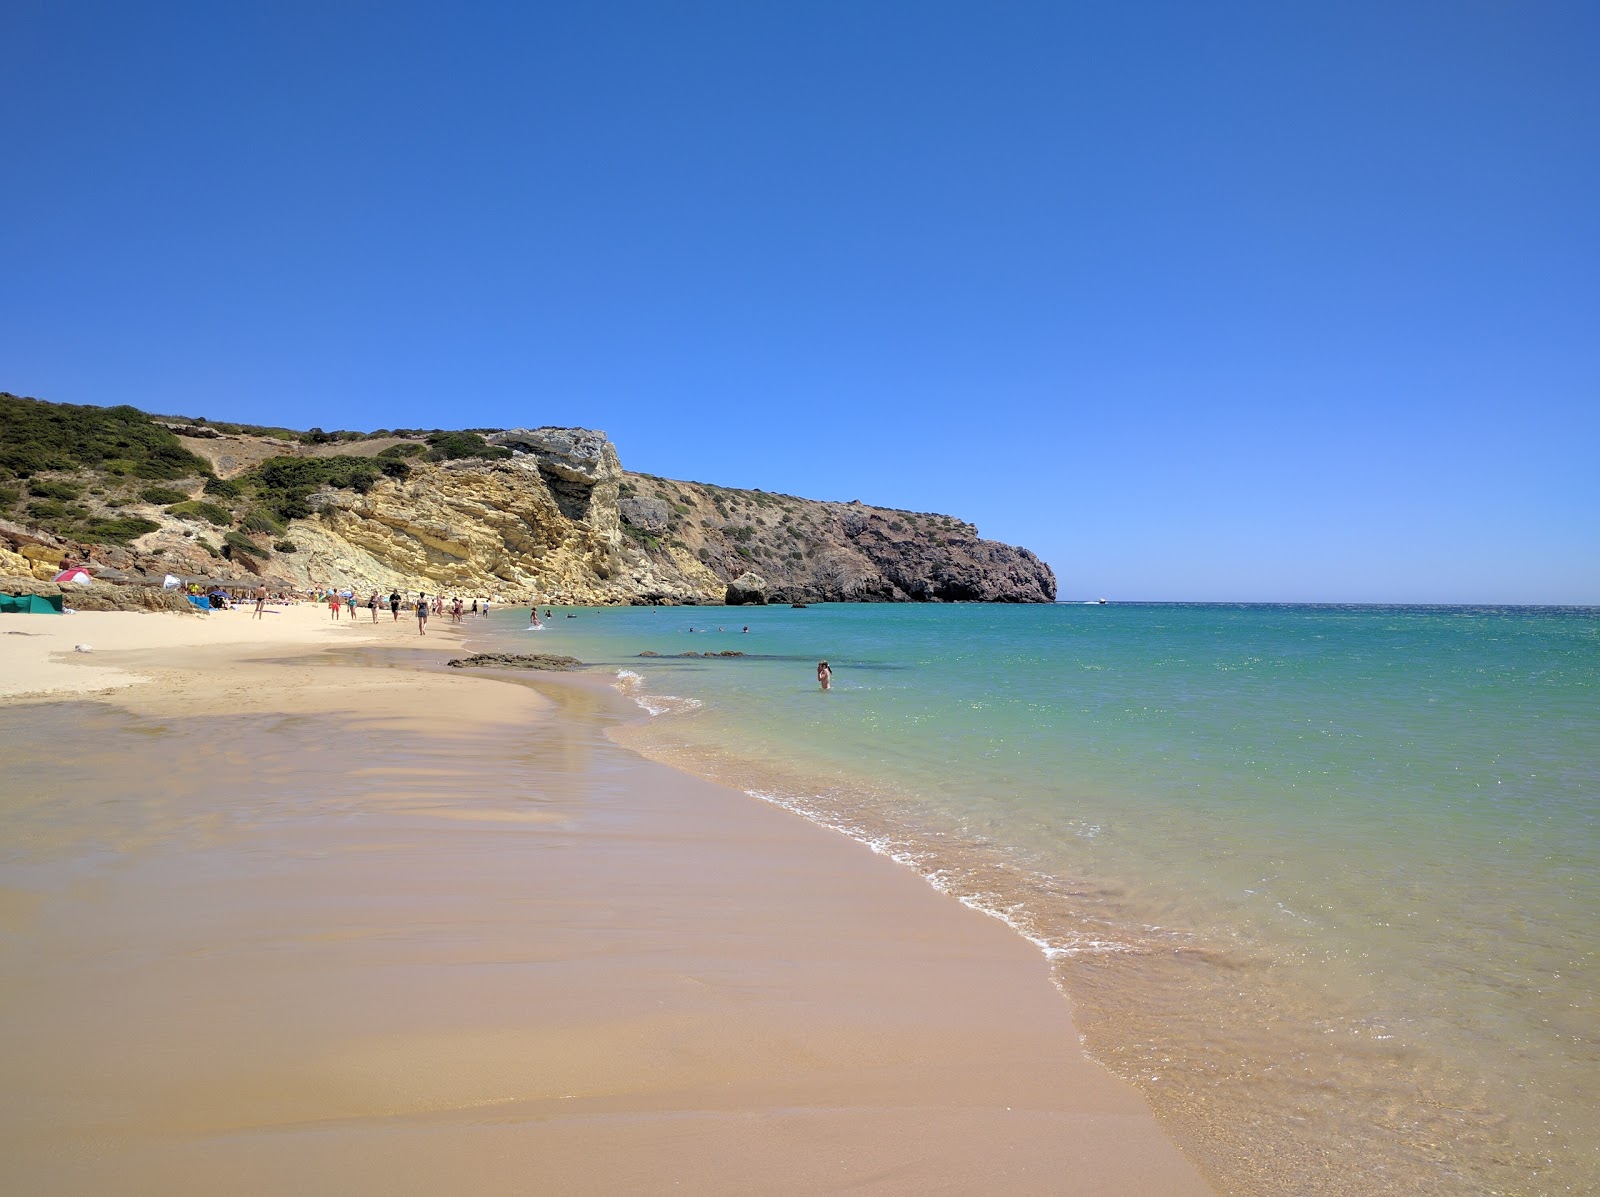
(76, 575)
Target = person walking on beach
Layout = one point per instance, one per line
(261, 601)
(422, 614)
(350, 604)
(372, 605)
(824, 675)
(394, 604)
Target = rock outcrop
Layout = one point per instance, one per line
(546, 513)
(545, 662)
(102, 596)
(747, 589)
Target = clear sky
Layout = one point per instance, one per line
(1198, 301)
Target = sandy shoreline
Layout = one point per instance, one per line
(280, 918)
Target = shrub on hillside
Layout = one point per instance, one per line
(36, 436)
(284, 485)
(449, 446)
(260, 521)
(115, 530)
(162, 495)
(53, 488)
(198, 509)
(223, 488)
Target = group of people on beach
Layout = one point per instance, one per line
(345, 602)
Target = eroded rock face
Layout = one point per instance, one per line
(559, 520)
(578, 465)
(648, 515)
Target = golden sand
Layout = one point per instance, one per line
(302, 912)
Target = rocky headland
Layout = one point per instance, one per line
(546, 512)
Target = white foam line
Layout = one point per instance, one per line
(628, 682)
(939, 880)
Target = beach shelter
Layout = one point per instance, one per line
(77, 575)
(30, 604)
(170, 583)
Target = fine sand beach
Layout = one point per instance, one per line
(287, 907)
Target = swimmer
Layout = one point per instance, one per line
(824, 675)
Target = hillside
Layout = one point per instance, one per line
(518, 512)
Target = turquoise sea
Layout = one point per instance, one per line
(1323, 881)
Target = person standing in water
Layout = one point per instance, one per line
(824, 675)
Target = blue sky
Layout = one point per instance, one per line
(1198, 301)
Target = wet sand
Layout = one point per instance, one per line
(310, 924)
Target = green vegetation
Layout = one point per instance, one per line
(53, 489)
(285, 546)
(56, 515)
(8, 497)
(162, 495)
(238, 540)
(197, 509)
(284, 485)
(403, 451)
(223, 489)
(642, 537)
(448, 446)
(260, 521)
(118, 530)
(36, 436)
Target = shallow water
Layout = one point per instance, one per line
(1320, 880)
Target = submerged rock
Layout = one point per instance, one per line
(548, 662)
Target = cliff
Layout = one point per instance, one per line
(547, 512)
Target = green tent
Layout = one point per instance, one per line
(30, 604)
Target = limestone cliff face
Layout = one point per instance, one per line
(546, 522)
(561, 520)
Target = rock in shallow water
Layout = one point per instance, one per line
(545, 661)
